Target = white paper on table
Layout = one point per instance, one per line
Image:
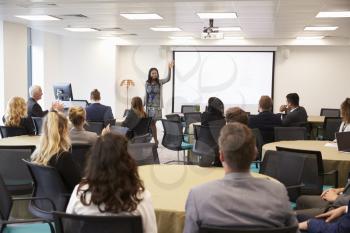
(331, 144)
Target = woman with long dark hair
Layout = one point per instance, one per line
(111, 184)
(154, 96)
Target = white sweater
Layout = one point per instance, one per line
(344, 129)
(144, 208)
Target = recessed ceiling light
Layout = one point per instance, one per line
(310, 37)
(38, 17)
(81, 29)
(141, 16)
(229, 29)
(233, 37)
(181, 37)
(165, 29)
(230, 15)
(333, 14)
(320, 28)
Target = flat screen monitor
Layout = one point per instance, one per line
(63, 91)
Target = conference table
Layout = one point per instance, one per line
(332, 158)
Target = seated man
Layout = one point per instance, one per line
(334, 221)
(33, 108)
(296, 115)
(266, 120)
(236, 114)
(239, 199)
(96, 111)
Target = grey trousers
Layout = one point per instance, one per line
(311, 205)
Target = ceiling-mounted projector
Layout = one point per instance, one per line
(211, 32)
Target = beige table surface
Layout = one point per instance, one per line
(332, 158)
(170, 185)
(316, 119)
(24, 140)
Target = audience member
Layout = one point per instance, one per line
(34, 109)
(334, 221)
(266, 120)
(16, 115)
(236, 199)
(53, 149)
(111, 184)
(214, 111)
(78, 134)
(296, 115)
(134, 115)
(236, 114)
(97, 111)
(345, 114)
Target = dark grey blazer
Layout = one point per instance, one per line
(34, 109)
(296, 117)
(131, 120)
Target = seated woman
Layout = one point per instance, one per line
(53, 149)
(214, 111)
(134, 115)
(345, 114)
(16, 115)
(111, 184)
(77, 134)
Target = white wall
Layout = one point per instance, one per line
(2, 83)
(85, 63)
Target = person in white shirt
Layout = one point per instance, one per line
(345, 114)
(111, 184)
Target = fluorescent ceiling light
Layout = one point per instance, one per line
(229, 29)
(81, 29)
(310, 37)
(230, 15)
(141, 16)
(321, 28)
(181, 37)
(233, 37)
(333, 14)
(38, 17)
(165, 29)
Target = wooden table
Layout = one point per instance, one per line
(24, 140)
(316, 119)
(332, 158)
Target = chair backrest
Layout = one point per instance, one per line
(290, 133)
(216, 229)
(144, 153)
(331, 125)
(15, 174)
(126, 111)
(38, 123)
(205, 145)
(330, 112)
(190, 108)
(143, 127)
(312, 175)
(5, 201)
(215, 128)
(48, 184)
(190, 118)
(173, 117)
(7, 131)
(285, 167)
(94, 126)
(259, 141)
(173, 135)
(71, 223)
(80, 155)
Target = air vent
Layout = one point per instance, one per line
(74, 16)
(115, 29)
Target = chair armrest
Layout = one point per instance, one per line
(35, 198)
(331, 172)
(295, 186)
(335, 173)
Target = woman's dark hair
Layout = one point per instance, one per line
(345, 110)
(149, 80)
(137, 106)
(215, 105)
(111, 176)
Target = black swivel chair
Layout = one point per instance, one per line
(144, 153)
(251, 229)
(38, 123)
(173, 117)
(48, 184)
(80, 155)
(7, 131)
(259, 144)
(205, 146)
(16, 175)
(330, 112)
(290, 133)
(190, 118)
(331, 125)
(142, 131)
(6, 204)
(94, 126)
(71, 223)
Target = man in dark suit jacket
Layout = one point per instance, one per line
(96, 111)
(266, 120)
(296, 115)
(33, 108)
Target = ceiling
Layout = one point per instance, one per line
(258, 19)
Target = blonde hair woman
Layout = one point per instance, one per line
(16, 115)
(77, 116)
(53, 149)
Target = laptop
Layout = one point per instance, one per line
(343, 141)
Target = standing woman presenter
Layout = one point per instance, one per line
(154, 96)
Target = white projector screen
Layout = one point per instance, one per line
(237, 78)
